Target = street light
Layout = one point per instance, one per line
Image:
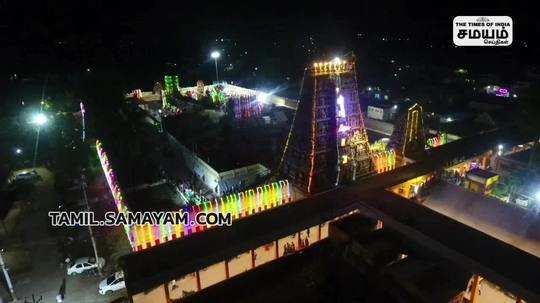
(18, 151)
(215, 55)
(85, 197)
(38, 119)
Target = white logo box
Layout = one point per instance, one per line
(482, 30)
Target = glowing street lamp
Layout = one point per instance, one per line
(39, 120)
(215, 55)
(18, 151)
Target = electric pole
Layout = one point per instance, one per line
(83, 187)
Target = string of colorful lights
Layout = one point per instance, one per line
(239, 205)
(438, 140)
(384, 160)
(112, 182)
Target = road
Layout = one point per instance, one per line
(33, 256)
(509, 223)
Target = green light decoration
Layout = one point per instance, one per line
(168, 85)
(218, 96)
(172, 84)
(379, 146)
(391, 158)
(172, 88)
(193, 198)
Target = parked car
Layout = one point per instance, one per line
(112, 283)
(85, 264)
(25, 177)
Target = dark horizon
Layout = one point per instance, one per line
(146, 40)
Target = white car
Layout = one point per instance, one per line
(84, 264)
(112, 283)
(25, 176)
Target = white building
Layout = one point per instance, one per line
(381, 112)
(220, 181)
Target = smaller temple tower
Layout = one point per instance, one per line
(408, 138)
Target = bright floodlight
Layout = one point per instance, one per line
(337, 60)
(262, 97)
(39, 119)
(215, 55)
(18, 151)
(500, 146)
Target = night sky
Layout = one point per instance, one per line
(146, 39)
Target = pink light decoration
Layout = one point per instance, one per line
(110, 176)
(503, 92)
(83, 122)
(113, 184)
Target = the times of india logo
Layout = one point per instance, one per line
(482, 30)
